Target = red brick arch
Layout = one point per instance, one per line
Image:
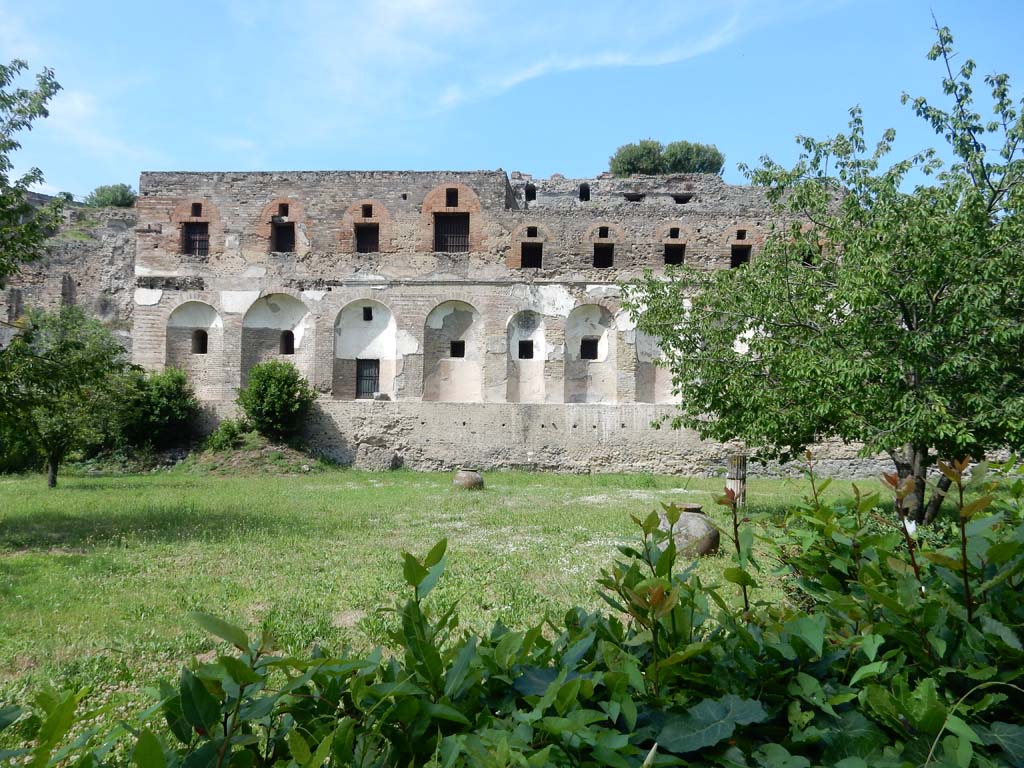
(434, 202)
(354, 215)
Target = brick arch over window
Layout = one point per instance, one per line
(264, 229)
(183, 236)
(190, 322)
(520, 235)
(278, 326)
(673, 244)
(354, 216)
(436, 202)
(615, 233)
(741, 241)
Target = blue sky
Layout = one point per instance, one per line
(540, 87)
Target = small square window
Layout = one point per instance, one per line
(451, 197)
(674, 233)
(584, 193)
(741, 234)
(367, 211)
(739, 256)
(282, 209)
(531, 255)
(602, 231)
(526, 350)
(458, 349)
(531, 231)
(367, 314)
(588, 348)
(197, 210)
(674, 253)
(604, 255)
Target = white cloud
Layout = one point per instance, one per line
(79, 118)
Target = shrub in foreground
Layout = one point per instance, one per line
(276, 399)
(899, 656)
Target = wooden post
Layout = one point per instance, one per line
(736, 477)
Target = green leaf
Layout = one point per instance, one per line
(430, 580)
(9, 714)
(221, 629)
(1008, 737)
(708, 723)
(441, 711)
(456, 675)
(777, 756)
(810, 630)
(992, 627)
(148, 753)
(322, 752)
(413, 571)
(55, 726)
(199, 707)
(434, 555)
(739, 576)
(870, 644)
(238, 671)
(299, 747)
(869, 670)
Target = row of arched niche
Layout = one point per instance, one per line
(581, 359)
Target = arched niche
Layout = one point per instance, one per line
(365, 351)
(590, 355)
(527, 353)
(453, 353)
(653, 380)
(272, 326)
(195, 344)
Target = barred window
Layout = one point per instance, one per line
(195, 238)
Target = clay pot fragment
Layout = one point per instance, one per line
(468, 479)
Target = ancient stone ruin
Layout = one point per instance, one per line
(446, 318)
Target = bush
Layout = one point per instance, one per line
(649, 157)
(19, 452)
(644, 157)
(691, 157)
(897, 660)
(156, 410)
(276, 399)
(228, 436)
(111, 195)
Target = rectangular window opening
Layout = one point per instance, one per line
(367, 211)
(195, 239)
(741, 234)
(197, 210)
(367, 314)
(740, 255)
(604, 255)
(674, 253)
(588, 348)
(282, 209)
(526, 350)
(287, 343)
(282, 238)
(451, 197)
(367, 238)
(634, 197)
(531, 231)
(200, 342)
(457, 349)
(602, 231)
(531, 255)
(674, 233)
(367, 378)
(451, 232)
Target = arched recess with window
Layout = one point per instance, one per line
(453, 353)
(365, 351)
(590, 355)
(653, 381)
(195, 344)
(277, 327)
(527, 353)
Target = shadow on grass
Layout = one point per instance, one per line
(152, 523)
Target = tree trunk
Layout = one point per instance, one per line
(52, 462)
(912, 463)
(935, 502)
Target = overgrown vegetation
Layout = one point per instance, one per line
(650, 157)
(111, 195)
(878, 316)
(884, 656)
(276, 399)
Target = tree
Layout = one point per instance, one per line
(23, 228)
(111, 195)
(690, 157)
(60, 373)
(276, 399)
(644, 157)
(886, 317)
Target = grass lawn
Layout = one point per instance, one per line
(97, 576)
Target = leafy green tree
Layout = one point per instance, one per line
(23, 228)
(644, 157)
(691, 157)
(60, 372)
(881, 316)
(276, 399)
(111, 195)
(157, 410)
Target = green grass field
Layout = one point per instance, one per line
(97, 576)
